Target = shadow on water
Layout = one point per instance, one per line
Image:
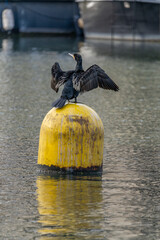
(126, 49)
(39, 43)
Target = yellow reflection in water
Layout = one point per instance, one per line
(67, 205)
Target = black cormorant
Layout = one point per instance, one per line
(78, 81)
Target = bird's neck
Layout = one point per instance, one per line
(79, 66)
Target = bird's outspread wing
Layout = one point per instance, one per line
(56, 73)
(92, 78)
(59, 77)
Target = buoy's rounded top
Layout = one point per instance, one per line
(74, 112)
(74, 108)
(72, 115)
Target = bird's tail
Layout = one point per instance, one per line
(59, 103)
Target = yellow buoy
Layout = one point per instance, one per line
(71, 139)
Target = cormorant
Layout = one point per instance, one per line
(78, 81)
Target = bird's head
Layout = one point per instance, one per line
(77, 57)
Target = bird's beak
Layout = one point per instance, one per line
(71, 55)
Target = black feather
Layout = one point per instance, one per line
(59, 103)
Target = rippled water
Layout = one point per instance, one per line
(122, 204)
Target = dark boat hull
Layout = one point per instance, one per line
(121, 20)
(58, 17)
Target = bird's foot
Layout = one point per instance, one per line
(75, 102)
(80, 102)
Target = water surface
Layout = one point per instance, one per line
(124, 203)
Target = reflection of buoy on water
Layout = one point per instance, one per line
(71, 139)
(64, 203)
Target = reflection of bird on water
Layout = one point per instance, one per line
(78, 81)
